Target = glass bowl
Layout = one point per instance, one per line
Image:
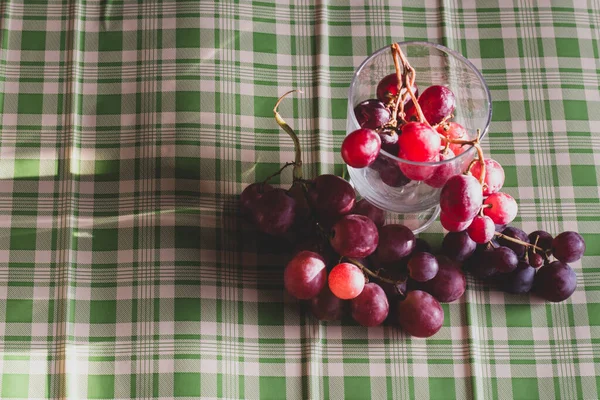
(417, 203)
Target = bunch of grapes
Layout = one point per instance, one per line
(348, 261)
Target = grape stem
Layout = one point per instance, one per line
(287, 164)
(297, 173)
(512, 239)
(376, 275)
(409, 79)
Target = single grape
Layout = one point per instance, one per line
(568, 246)
(514, 233)
(389, 172)
(331, 196)
(461, 197)
(543, 238)
(251, 194)
(420, 314)
(452, 225)
(371, 114)
(443, 172)
(418, 142)
(502, 258)
(458, 246)
(360, 148)
(354, 236)
(346, 281)
(387, 89)
(395, 242)
(421, 246)
(371, 306)
(503, 208)
(535, 260)
(274, 212)
(494, 176)
(363, 207)
(449, 283)
(326, 306)
(389, 141)
(422, 267)
(482, 229)
(305, 275)
(555, 282)
(437, 102)
(454, 130)
(519, 281)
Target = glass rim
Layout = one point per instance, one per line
(444, 49)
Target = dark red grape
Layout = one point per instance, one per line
(555, 282)
(568, 246)
(305, 275)
(543, 238)
(422, 267)
(394, 290)
(389, 172)
(372, 114)
(395, 242)
(458, 246)
(443, 172)
(346, 281)
(451, 225)
(482, 229)
(331, 196)
(503, 208)
(387, 88)
(514, 233)
(389, 141)
(519, 281)
(274, 212)
(420, 314)
(418, 142)
(449, 283)
(461, 197)
(535, 260)
(478, 264)
(421, 245)
(363, 207)
(502, 258)
(354, 236)
(454, 130)
(437, 103)
(370, 307)
(251, 194)
(494, 176)
(326, 306)
(360, 148)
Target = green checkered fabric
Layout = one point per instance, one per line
(128, 128)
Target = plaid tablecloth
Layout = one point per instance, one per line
(127, 130)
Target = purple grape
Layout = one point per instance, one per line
(449, 283)
(519, 281)
(327, 307)
(502, 259)
(354, 236)
(251, 194)
(389, 141)
(394, 290)
(535, 260)
(395, 242)
(479, 266)
(544, 240)
(372, 114)
(420, 314)
(305, 275)
(555, 282)
(422, 267)
(458, 246)
(568, 247)
(274, 212)
(389, 172)
(514, 233)
(363, 207)
(371, 306)
(331, 196)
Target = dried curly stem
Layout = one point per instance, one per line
(408, 83)
(297, 149)
(287, 164)
(512, 239)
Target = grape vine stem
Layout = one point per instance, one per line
(297, 149)
(376, 274)
(512, 239)
(287, 164)
(409, 80)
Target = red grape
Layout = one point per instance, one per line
(514, 233)
(502, 259)
(371, 114)
(555, 282)
(327, 306)
(274, 212)
(451, 225)
(420, 314)
(305, 275)
(519, 281)
(363, 207)
(331, 196)
(346, 281)
(482, 229)
(437, 102)
(370, 307)
(494, 176)
(448, 284)
(458, 246)
(422, 267)
(454, 130)
(360, 148)
(395, 242)
(503, 208)
(418, 142)
(535, 260)
(568, 246)
(443, 172)
(354, 236)
(387, 89)
(389, 141)
(417, 172)
(461, 197)
(251, 194)
(389, 172)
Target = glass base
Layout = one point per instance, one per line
(417, 222)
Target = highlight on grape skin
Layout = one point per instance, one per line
(305, 275)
